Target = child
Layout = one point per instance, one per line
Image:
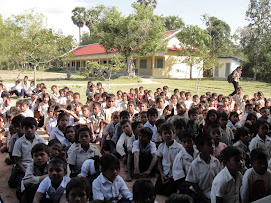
(131, 109)
(83, 152)
(203, 169)
(53, 123)
(107, 112)
(143, 191)
(215, 132)
(70, 136)
(256, 180)
(187, 100)
(55, 149)
(181, 113)
(62, 100)
(183, 161)
(22, 149)
(109, 185)
(233, 123)
(176, 198)
(54, 95)
(227, 134)
(43, 108)
(248, 110)
(124, 115)
(242, 141)
(131, 95)
(262, 140)
(54, 185)
(145, 155)
(160, 106)
(264, 113)
(123, 102)
(78, 190)
(238, 97)
(192, 124)
(69, 96)
(50, 116)
(16, 89)
(25, 111)
(35, 172)
(143, 117)
(152, 115)
(227, 183)
(167, 151)
(211, 118)
(158, 137)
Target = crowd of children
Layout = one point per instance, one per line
(208, 148)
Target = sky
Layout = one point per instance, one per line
(59, 12)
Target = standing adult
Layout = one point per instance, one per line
(236, 75)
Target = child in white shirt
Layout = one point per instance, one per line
(109, 185)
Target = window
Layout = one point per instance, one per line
(134, 62)
(73, 64)
(84, 64)
(143, 63)
(78, 64)
(216, 71)
(159, 63)
(228, 69)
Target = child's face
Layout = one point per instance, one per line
(245, 139)
(69, 97)
(260, 166)
(187, 144)
(119, 94)
(30, 131)
(142, 107)
(131, 108)
(110, 102)
(239, 91)
(225, 102)
(211, 103)
(62, 94)
(55, 150)
(70, 134)
(167, 136)
(63, 122)
(54, 89)
(77, 195)
(193, 117)
(174, 100)
(19, 129)
(56, 173)
(115, 119)
(207, 148)
(143, 118)
(160, 103)
(264, 113)
(77, 108)
(46, 99)
(167, 112)
(222, 122)
(127, 129)
(152, 118)
(97, 98)
(51, 113)
(84, 138)
(249, 109)
(40, 158)
(215, 133)
(111, 173)
(143, 139)
(85, 112)
(263, 130)
(196, 100)
(96, 110)
(76, 98)
(235, 163)
(24, 107)
(43, 91)
(124, 97)
(234, 118)
(138, 128)
(181, 110)
(188, 96)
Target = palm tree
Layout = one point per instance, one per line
(147, 3)
(78, 18)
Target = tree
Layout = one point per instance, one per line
(195, 44)
(257, 33)
(140, 33)
(78, 18)
(93, 16)
(86, 38)
(146, 3)
(173, 22)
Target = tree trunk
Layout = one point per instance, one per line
(191, 68)
(79, 35)
(256, 68)
(35, 78)
(130, 66)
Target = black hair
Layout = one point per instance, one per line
(257, 154)
(143, 191)
(124, 122)
(73, 127)
(160, 122)
(251, 116)
(213, 126)
(78, 182)
(40, 147)
(259, 123)
(124, 114)
(29, 121)
(202, 139)
(167, 127)
(193, 111)
(53, 142)
(83, 129)
(152, 111)
(233, 113)
(110, 96)
(146, 131)
(229, 152)
(61, 115)
(25, 102)
(109, 161)
(179, 124)
(135, 124)
(17, 120)
(177, 198)
(60, 162)
(212, 111)
(185, 134)
(222, 115)
(243, 131)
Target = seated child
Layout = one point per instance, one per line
(143, 191)
(152, 118)
(70, 136)
(78, 190)
(109, 109)
(227, 134)
(176, 198)
(227, 183)
(25, 111)
(109, 185)
(96, 122)
(56, 150)
(35, 172)
(192, 123)
(203, 169)
(179, 126)
(158, 137)
(145, 154)
(167, 151)
(52, 188)
(256, 180)
(215, 132)
(84, 151)
(183, 160)
(233, 122)
(22, 150)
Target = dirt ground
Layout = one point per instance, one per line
(9, 196)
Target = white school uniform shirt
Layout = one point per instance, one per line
(23, 147)
(104, 189)
(28, 113)
(182, 163)
(107, 113)
(231, 125)
(203, 174)
(243, 119)
(250, 179)
(58, 134)
(226, 187)
(54, 96)
(87, 169)
(240, 145)
(168, 155)
(72, 148)
(188, 104)
(227, 136)
(153, 128)
(122, 141)
(95, 120)
(51, 125)
(62, 100)
(258, 142)
(151, 147)
(52, 193)
(43, 108)
(78, 156)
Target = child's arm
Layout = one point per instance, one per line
(200, 193)
(119, 147)
(136, 164)
(63, 199)
(96, 189)
(37, 198)
(100, 131)
(71, 112)
(19, 163)
(153, 162)
(160, 168)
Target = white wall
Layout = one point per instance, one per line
(222, 70)
(173, 42)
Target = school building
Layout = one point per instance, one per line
(163, 64)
